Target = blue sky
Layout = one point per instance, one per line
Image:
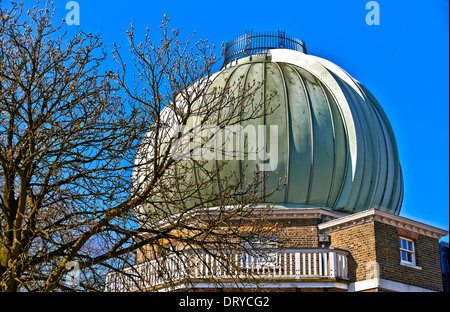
(404, 62)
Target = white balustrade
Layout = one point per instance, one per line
(184, 267)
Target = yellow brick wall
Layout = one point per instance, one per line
(378, 242)
(298, 233)
(359, 240)
(427, 257)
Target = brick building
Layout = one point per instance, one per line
(340, 228)
(321, 251)
(379, 260)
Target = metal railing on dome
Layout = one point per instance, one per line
(258, 42)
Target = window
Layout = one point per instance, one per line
(407, 253)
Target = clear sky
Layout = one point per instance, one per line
(403, 61)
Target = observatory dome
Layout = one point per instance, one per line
(336, 147)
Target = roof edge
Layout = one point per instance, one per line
(383, 217)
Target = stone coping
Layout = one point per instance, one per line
(383, 217)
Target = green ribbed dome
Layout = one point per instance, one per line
(335, 144)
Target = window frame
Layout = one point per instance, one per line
(409, 251)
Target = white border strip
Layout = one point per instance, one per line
(384, 284)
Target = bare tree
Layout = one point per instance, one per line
(87, 162)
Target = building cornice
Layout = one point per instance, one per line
(274, 212)
(278, 211)
(288, 212)
(383, 217)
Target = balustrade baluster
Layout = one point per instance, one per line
(309, 263)
(290, 263)
(297, 263)
(320, 263)
(279, 265)
(200, 264)
(315, 263)
(207, 266)
(304, 263)
(332, 263)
